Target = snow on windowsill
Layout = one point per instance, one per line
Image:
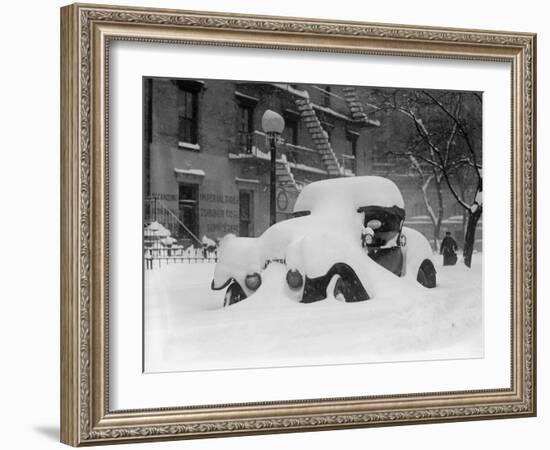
(297, 92)
(189, 146)
(247, 180)
(196, 172)
(247, 97)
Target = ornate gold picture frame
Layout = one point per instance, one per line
(87, 31)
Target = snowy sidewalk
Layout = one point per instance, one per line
(186, 327)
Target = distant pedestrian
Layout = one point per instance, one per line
(448, 250)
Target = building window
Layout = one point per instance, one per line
(290, 132)
(188, 204)
(246, 118)
(328, 127)
(352, 138)
(246, 126)
(326, 96)
(246, 218)
(188, 123)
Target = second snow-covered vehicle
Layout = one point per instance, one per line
(346, 239)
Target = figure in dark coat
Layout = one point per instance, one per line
(448, 250)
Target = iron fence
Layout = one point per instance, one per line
(170, 241)
(156, 256)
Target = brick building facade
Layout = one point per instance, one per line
(206, 160)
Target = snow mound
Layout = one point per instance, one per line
(353, 193)
(273, 292)
(208, 242)
(186, 328)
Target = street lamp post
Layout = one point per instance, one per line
(273, 125)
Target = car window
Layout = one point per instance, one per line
(385, 219)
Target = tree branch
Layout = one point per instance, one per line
(463, 132)
(423, 132)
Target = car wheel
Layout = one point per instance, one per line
(234, 294)
(319, 288)
(426, 274)
(337, 288)
(344, 290)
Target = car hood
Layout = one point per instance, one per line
(275, 241)
(288, 241)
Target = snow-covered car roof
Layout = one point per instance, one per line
(354, 192)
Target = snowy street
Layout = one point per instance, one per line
(186, 327)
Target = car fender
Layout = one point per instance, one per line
(315, 255)
(237, 257)
(416, 250)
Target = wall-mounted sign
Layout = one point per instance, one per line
(282, 200)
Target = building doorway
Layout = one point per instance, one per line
(188, 206)
(246, 217)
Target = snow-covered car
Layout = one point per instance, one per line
(346, 239)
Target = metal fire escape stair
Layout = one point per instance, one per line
(285, 177)
(319, 136)
(354, 104)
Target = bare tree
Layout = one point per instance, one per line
(432, 177)
(442, 150)
(474, 207)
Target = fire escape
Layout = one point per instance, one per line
(319, 137)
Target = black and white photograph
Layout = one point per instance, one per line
(266, 225)
(307, 224)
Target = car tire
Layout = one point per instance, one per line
(343, 289)
(339, 289)
(233, 294)
(319, 288)
(427, 274)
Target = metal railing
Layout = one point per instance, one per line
(254, 144)
(155, 255)
(301, 155)
(154, 210)
(246, 142)
(179, 246)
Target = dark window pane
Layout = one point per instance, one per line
(189, 208)
(352, 151)
(188, 117)
(246, 123)
(188, 192)
(245, 126)
(189, 105)
(291, 130)
(326, 96)
(245, 213)
(329, 133)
